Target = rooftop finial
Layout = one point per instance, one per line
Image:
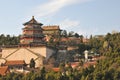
(32, 17)
(33, 21)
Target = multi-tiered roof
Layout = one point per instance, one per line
(32, 32)
(33, 21)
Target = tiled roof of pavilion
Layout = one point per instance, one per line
(15, 62)
(51, 27)
(3, 70)
(33, 21)
(56, 69)
(87, 64)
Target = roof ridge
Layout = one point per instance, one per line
(33, 21)
(12, 53)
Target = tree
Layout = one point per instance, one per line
(64, 33)
(77, 35)
(62, 67)
(105, 45)
(81, 63)
(91, 37)
(9, 40)
(117, 75)
(89, 77)
(82, 48)
(71, 33)
(98, 76)
(43, 72)
(32, 63)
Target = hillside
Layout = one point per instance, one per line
(107, 67)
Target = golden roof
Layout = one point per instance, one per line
(33, 21)
(15, 62)
(53, 27)
(3, 70)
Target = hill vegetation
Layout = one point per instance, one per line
(9, 40)
(107, 68)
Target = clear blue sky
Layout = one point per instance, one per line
(85, 17)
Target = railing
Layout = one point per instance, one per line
(9, 46)
(23, 45)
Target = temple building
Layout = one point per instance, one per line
(32, 45)
(32, 33)
(4, 70)
(51, 30)
(16, 65)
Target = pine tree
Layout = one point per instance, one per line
(32, 63)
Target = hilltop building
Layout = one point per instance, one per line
(50, 31)
(17, 65)
(32, 45)
(4, 70)
(32, 33)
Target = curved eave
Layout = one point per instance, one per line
(38, 36)
(32, 29)
(27, 23)
(51, 29)
(33, 21)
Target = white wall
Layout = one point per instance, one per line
(28, 53)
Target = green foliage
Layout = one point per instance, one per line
(32, 63)
(9, 40)
(77, 35)
(82, 47)
(107, 68)
(64, 33)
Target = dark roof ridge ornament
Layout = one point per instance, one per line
(33, 21)
(32, 17)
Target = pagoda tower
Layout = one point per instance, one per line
(32, 33)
